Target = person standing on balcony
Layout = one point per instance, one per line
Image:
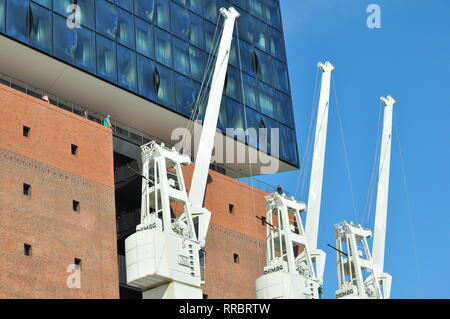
(107, 121)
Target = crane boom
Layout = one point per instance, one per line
(204, 153)
(315, 188)
(383, 185)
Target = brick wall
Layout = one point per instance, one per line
(45, 219)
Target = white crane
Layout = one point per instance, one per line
(361, 274)
(163, 256)
(295, 266)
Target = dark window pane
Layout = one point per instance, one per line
(41, 28)
(196, 31)
(276, 44)
(264, 67)
(210, 31)
(266, 98)
(125, 30)
(144, 38)
(288, 144)
(253, 124)
(126, 61)
(211, 10)
(284, 109)
(197, 61)
(106, 59)
(163, 47)
(181, 56)
(185, 94)
(222, 123)
(242, 4)
(246, 27)
(260, 36)
(86, 7)
(236, 117)
(233, 83)
(85, 52)
(281, 76)
(146, 77)
(2, 15)
(268, 141)
(162, 16)
(126, 4)
(256, 8)
(145, 9)
(45, 3)
(194, 5)
(180, 21)
(251, 91)
(271, 13)
(64, 39)
(17, 19)
(247, 58)
(165, 91)
(107, 20)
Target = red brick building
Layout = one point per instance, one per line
(58, 207)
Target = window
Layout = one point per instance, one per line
(186, 95)
(144, 38)
(75, 206)
(77, 263)
(106, 59)
(85, 51)
(17, 19)
(162, 17)
(64, 39)
(266, 98)
(26, 189)
(264, 66)
(2, 15)
(146, 78)
(126, 60)
(181, 57)
(210, 10)
(145, 9)
(40, 28)
(236, 258)
(253, 125)
(181, 23)
(45, 3)
(26, 131)
(288, 145)
(196, 31)
(263, 220)
(260, 35)
(233, 84)
(276, 44)
(107, 20)
(236, 118)
(197, 62)
(194, 5)
(125, 28)
(163, 47)
(74, 149)
(231, 208)
(284, 109)
(86, 8)
(251, 91)
(165, 90)
(126, 4)
(281, 76)
(27, 249)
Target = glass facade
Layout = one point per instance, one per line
(158, 49)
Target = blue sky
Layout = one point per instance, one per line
(408, 58)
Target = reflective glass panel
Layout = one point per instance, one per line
(181, 21)
(162, 15)
(144, 38)
(251, 91)
(276, 44)
(210, 10)
(41, 28)
(288, 143)
(64, 39)
(85, 7)
(163, 47)
(126, 61)
(284, 109)
(196, 31)
(146, 77)
(253, 124)
(236, 117)
(165, 90)
(2, 15)
(185, 94)
(85, 52)
(181, 56)
(17, 19)
(145, 9)
(126, 4)
(233, 83)
(281, 76)
(266, 99)
(125, 30)
(106, 59)
(197, 60)
(107, 20)
(45, 3)
(264, 67)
